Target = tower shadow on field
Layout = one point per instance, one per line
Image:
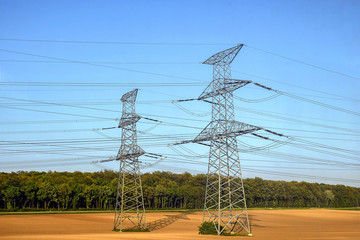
(254, 221)
(164, 222)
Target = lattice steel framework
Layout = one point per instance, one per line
(129, 210)
(225, 204)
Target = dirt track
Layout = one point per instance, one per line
(266, 224)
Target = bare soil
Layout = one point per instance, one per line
(266, 224)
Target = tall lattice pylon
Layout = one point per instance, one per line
(129, 210)
(225, 204)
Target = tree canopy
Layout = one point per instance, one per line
(97, 190)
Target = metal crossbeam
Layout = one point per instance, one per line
(224, 57)
(129, 209)
(229, 85)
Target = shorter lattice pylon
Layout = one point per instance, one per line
(129, 209)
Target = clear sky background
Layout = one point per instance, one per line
(64, 66)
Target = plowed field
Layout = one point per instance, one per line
(266, 224)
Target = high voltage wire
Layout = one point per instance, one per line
(67, 130)
(276, 115)
(327, 152)
(131, 70)
(305, 63)
(295, 120)
(163, 75)
(56, 160)
(42, 103)
(58, 90)
(72, 146)
(300, 158)
(253, 111)
(149, 137)
(98, 62)
(150, 85)
(249, 169)
(342, 98)
(180, 160)
(178, 118)
(58, 113)
(51, 121)
(297, 86)
(103, 157)
(98, 84)
(279, 117)
(287, 174)
(320, 138)
(315, 147)
(314, 102)
(303, 99)
(243, 109)
(115, 42)
(172, 158)
(100, 65)
(176, 44)
(320, 104)
(301, 175)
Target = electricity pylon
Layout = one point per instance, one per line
(225, 204)
(129, 209)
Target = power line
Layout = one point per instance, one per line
(51, 121)
(100, 65)
(301, 175)
(114, 42)
(176, 44)
(295, 120)
(187, 119)
(305, 63)
(100, 84)
(59, 113)
(97, 62)
(166, 101)
(38, 103)
(297, 86)
(286, 174)
(320, 103)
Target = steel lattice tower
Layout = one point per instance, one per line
(225, 204)
(129, 210)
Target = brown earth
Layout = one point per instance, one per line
(266, 224)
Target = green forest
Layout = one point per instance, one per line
(23, 191)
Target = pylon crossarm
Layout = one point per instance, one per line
(129, 156)
(129, 96)
(229, 85)
(224, 57)
(233, 129)
(128, 120)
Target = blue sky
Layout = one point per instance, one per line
(163, 42)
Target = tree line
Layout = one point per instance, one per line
(97, 190)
